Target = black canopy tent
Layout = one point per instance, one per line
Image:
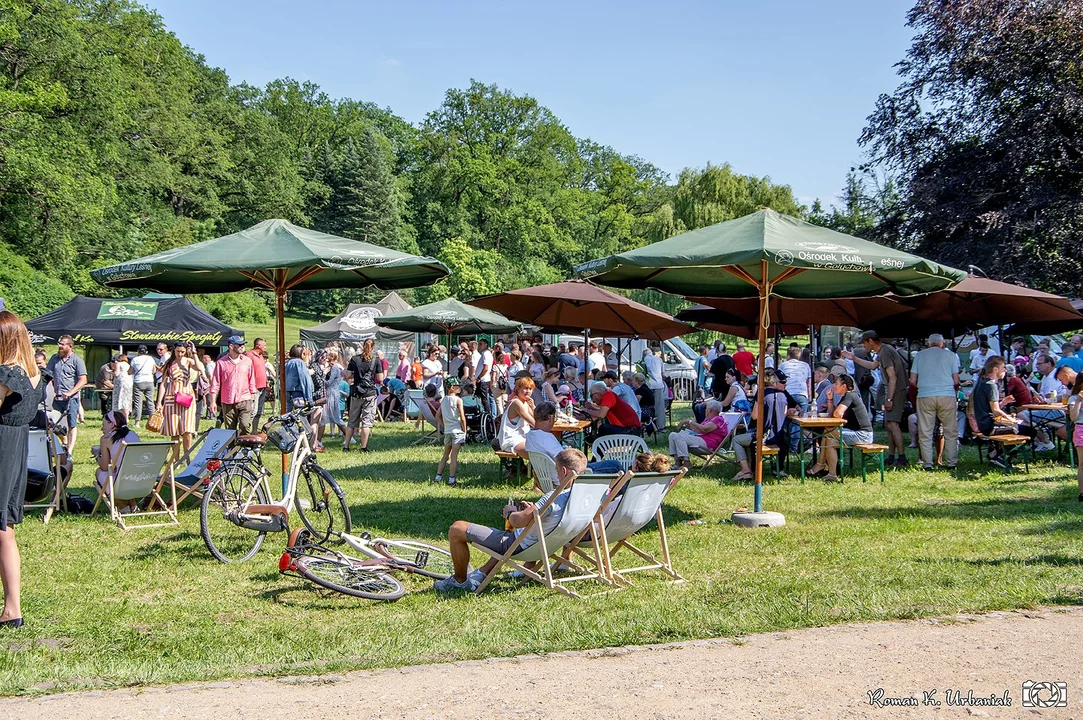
(130, 322)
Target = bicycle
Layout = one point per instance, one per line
(366, 578)
(237, 513)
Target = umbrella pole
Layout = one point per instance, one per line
(758, 502)
(280, 312)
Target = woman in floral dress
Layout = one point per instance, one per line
(178, 377)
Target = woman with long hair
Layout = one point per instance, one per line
(318, 368)
(176, 395)
(115, 431)
(334, 396)
(21, 391)
(122, 385)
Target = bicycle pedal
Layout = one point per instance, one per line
(422, 558)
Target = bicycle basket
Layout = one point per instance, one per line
(284, 437)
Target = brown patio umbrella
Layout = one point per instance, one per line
(577, 306)
(980, 302)
(790, 315)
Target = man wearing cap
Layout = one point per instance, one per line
(935, 373)
(892, 392)
(234, 384)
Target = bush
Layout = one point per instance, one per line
(246, 306)
(28, 292)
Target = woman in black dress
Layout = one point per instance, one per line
(20, 396)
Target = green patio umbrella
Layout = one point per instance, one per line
(274, 255)
(772, 255)
(449, 316)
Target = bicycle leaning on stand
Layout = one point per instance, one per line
(237, 511)
(365, 578)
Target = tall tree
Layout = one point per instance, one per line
(986, 134)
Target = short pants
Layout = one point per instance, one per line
(454, 437)
(487, 537)
(1077, 436)
(362, 411)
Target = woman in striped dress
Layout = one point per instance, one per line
(178, 376)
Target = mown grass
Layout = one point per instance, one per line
(107, 608)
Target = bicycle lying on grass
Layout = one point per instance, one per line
(237, 513)
(365, 578)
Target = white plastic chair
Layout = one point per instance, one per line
(622, 448)
(545, 470)
(144, 467)
(586, 493)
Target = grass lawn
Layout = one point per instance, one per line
(108, 608)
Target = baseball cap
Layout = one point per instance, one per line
(236, 340)
(452, 382)
(781, 376)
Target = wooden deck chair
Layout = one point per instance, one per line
(627, 511)
(433, 436)
(585, 495)
(43, 458)
(143, 467)
(622, 448)
(544, 469)
(412, 412)
(213, 444)
(732, 419)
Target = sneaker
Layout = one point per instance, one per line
(517, 574)
(364, 449)
(998, 462)
(345, 448)
(902, 462)
(450, 584)
(476, 576)
(450, 481)
(927, 468)
(1044, 447)
(439, 478)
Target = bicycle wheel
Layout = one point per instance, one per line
(349, 578)
(327, 509)
(437, 560)
(231, 488)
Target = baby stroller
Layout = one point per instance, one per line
(480, 426)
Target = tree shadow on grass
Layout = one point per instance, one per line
(424, 517)
(181, 546)
(1053, 559)
(471, 474)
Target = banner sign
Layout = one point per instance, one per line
(127, 310)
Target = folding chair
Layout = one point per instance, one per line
(213, 444)
(43, 459)
(544, 469)
(427, 417)
(622, 448)
(412, 408)
(585, 495)
(628, 510)
(142, 468)
(732, 420)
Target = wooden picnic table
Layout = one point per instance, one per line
(576, 428)
(818, 426)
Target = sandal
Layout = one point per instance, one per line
(743, 476)
(829, 478)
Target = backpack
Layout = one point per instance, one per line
(364, 385)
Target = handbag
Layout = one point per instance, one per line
(154, 422)
(183, 399)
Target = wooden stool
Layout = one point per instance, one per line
(873, 450)
(1005, 441)
(772, 452)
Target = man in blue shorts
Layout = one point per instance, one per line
(69, 377)
(569, 462)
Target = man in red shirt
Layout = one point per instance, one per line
(744, 361)
(258, 356)
(617, 416)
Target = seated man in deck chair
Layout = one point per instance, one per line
(568, 462)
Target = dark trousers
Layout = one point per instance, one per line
(484, 391)
(607, 429)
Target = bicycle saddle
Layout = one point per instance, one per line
(257, 440)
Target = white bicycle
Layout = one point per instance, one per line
(237, 512)
(369, 577)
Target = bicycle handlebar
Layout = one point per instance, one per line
(294, 415)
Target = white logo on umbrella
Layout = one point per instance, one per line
(443, 314)
(362, 318)
(784, 257)
(825, 247)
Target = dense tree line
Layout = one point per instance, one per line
(118, 141)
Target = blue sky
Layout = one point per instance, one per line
(779, 88)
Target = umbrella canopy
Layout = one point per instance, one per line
(710, 318)
(579, 306)
(1044, 327)
(274, 255)
(357, 323)
(792, 316)
(448, 316)
(797, 259)
(774, 255)
(978, 302)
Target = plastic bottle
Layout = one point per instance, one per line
(507, 518)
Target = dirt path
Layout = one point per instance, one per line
(818, 673)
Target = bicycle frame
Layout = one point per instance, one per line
(301, 452)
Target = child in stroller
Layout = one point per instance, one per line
(479, 421)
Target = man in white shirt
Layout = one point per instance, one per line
(611, 361)
(978, 356)
(542, 440)
(483, 375)
(595, 361)
(653, 365)
(142, 368)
